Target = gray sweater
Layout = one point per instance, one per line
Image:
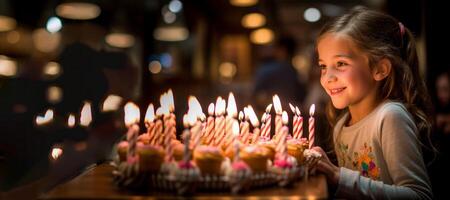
(380, 156)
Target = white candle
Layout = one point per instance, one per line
(131, 118)
(278, 111)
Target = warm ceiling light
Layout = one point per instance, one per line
(171, 33)
(262, 36)
(7, 23)
(243, 3)
(154, 67)
(54, 94)
(120, 40)
(253, 20)
(52, 69)
(8, 67)
(44, 41)
(227, 70)
(13, 37)
(78, 10)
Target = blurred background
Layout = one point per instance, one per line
(58, 54)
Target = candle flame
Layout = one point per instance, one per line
(235, 128)
(86, 114)
(231, 109)
(112, 103)
(263, 118)
(285, 118)
(132, 114)
(252, 115)
(150, 114)
(185, 121)
(56, 153)
(171, 103)
(71, 121)
(277, 104)
(191, 119)
(194, 107)
(211, 109)
(292, 108)
(312, 109)
(241, 115)
(48, 117)
(220, 106)
(297, 110)
(268, 108)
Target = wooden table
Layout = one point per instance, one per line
(97, 183)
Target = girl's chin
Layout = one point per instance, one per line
(339, 105)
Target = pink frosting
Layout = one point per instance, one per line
(211, 149)
(185, 165)
(123, 144)
(239, 165)
(282, 163)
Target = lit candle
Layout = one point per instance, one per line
(149, 121)
(210, 124)
(311, 126)
(132, 116)
(194, 113)
(255, 124)
(158, 130)
(295, 122)
(267, 122)
(219, 125)
(230, 119)
(278, 111)
(71, 121)
(86, 115)
(245, 129)
(235, 140)
(300, 122)
(281, 139)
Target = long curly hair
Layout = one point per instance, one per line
(383, 36)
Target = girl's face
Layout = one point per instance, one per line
(345, 72)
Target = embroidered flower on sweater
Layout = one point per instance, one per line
(363, 161)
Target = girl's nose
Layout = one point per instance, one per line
(330, 76)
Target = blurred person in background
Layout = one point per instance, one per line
(276, 75)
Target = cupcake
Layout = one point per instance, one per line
(255, 157)
(239, 176)
(208, 159)
(295, 148)
(122, 149)
(285, 169)
(186, 175)
(150, 157)
(178, 150)
(269, 147)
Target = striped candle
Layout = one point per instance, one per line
(300, 123)
(311, 126)
(278, 112)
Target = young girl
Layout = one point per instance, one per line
(369, 68)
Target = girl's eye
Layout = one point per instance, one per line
(322, 66)
(340, 64)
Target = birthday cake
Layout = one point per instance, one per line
(218, 152)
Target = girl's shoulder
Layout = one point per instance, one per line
(392, 109)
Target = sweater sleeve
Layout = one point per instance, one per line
(405, 165)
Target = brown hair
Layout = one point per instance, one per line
(382, 36)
